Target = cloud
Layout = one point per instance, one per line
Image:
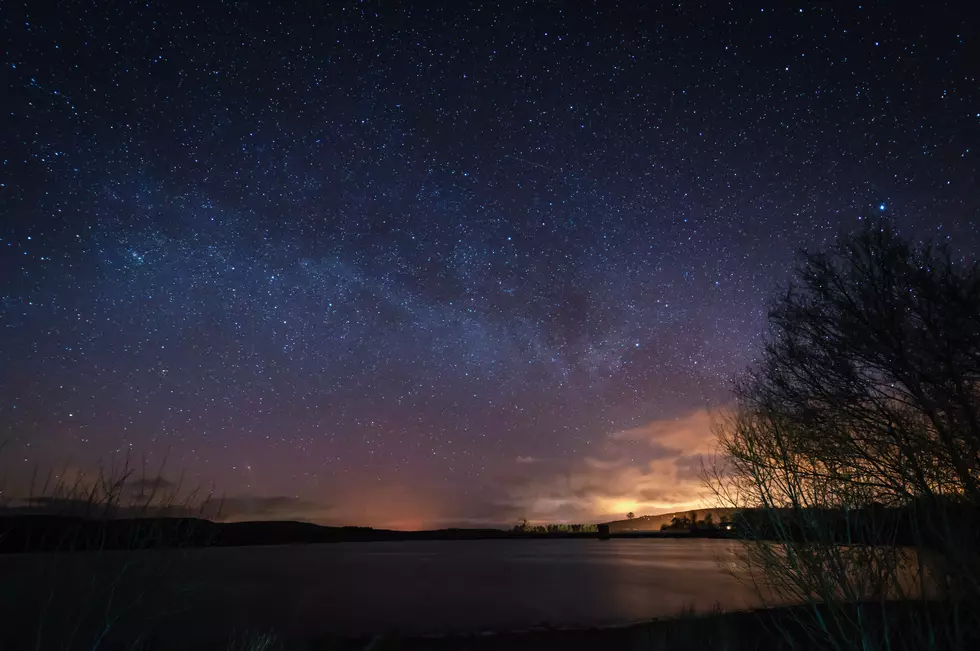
(151, 482)
(603, 464)
(235, 507)
(661, 451)
(86, 508)
(648, 469)
(689, 466)
(482, 513)
(151, 485)
(526, 460)
(264, 507)
(691, 431)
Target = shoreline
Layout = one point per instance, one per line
(44, 533)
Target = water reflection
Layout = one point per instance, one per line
(417, 587)
(424, 587)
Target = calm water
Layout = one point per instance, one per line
(430, 587)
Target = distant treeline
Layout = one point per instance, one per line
(30, 533)
(907, 525)
(872, 525)
(524, 527)
(875, 524)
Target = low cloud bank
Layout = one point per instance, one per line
(646, 469)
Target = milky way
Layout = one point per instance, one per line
(421, 264)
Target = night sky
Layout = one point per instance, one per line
(419, 264)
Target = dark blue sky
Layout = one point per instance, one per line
(423, 263)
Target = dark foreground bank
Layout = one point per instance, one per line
(733, 631)
(771, 629)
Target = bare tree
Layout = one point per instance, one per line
(857, 437)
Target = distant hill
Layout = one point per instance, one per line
(20, 532)
(30, 533)
(654, 522)
(46, 532)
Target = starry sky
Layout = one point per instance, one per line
(431, 264)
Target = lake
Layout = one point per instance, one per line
(426, 587)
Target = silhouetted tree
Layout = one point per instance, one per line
(681, 522)
(867, 395)
(630, 516)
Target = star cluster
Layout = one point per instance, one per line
(425, 263)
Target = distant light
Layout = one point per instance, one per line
(881, 206)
